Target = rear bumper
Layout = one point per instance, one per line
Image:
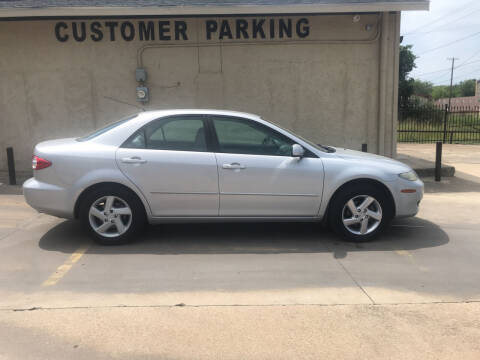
(47, 198)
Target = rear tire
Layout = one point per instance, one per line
(112, 215)
(360, 213)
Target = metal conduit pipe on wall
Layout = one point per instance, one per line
(373, 39)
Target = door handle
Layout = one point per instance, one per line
(133, 160)
(233, 166)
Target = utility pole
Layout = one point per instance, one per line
(451, 81)
(447, 108)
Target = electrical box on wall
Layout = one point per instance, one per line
(142, 94)
(140, 75)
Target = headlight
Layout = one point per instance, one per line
(411, 175)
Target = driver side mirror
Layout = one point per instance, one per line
(297, 151)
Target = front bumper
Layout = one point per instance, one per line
(407, 203)
(47, 198)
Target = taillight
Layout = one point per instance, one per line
(38, 163)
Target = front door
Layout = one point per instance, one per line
(259, 177)
(169, 161)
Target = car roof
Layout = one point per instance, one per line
(170, 112)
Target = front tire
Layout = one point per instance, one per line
(360, 213)
(113, 216)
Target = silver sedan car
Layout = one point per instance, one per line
(212, 165)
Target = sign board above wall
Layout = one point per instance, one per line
(231, 29)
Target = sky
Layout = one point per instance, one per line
(450, 29)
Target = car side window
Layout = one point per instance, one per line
(242, 136)
(177, 133)
(137, 141)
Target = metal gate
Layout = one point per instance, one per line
(429, 123)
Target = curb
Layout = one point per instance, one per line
(447, 171)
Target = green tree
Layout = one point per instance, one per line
(440, 92)
(407, 64)
(462, 89)
(422, 88)
(467, 87)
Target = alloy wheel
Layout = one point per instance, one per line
(362, 214)
(110, 216)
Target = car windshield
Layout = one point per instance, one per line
(320, 147)
(106, 128)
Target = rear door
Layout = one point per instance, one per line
(257, 174)
(169, 160)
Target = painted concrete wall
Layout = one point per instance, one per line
(335, 86)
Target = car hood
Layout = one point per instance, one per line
(376, 160)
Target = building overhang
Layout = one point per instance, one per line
(204, 10)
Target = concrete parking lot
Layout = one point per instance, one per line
(237, 291)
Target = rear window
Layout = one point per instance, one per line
(106, 128)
